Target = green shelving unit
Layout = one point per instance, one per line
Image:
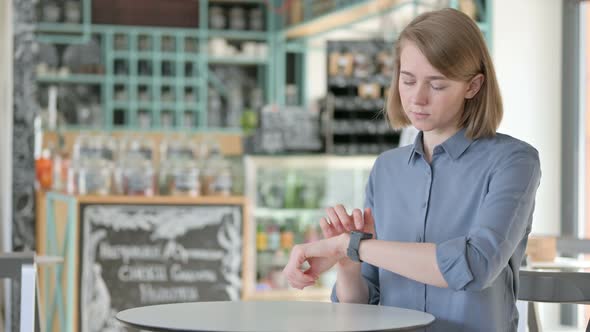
(68, 33)
(158, 71)
(149, 71)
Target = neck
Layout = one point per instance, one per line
(431, 139)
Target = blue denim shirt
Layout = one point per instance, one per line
(475, 202)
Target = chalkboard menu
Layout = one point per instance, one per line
(138, 255)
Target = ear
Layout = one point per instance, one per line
(474, 86)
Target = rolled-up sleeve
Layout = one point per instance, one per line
(369, 272)
(473, 262)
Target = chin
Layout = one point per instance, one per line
(422, 126)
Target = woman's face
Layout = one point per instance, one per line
(432, 102)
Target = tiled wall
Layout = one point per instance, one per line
(24, 110)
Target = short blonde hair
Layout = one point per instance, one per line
(454, 45)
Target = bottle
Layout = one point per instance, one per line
(291, 190)
(261, 238)
(224, 179)
(237, 174)
(215, 109)
(216, 174)
(61, 165)
(44, 170)
(235, 104)
(274, 237)
(287, 236)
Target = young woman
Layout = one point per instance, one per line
(447, 217)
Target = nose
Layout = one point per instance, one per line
(421, 95)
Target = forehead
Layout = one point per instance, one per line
(413, 61)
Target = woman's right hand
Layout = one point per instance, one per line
(339, 221)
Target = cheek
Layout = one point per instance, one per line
(404, 95)
(448, 102)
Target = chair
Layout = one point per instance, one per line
(552, 287)
(21, 267)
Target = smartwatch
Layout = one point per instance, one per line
(353, 246)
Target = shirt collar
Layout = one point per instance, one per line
(454, 146)
(457, 144)
(417, 147)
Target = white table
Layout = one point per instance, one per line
(273, 316)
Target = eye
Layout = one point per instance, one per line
(438, 88)
(409, 82)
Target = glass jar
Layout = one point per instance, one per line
(256, 19)
(93, 177)
(179, 172)
(73, 12)
(217, 19)
(135, 173)
(208, 179)
(138, 178)
(91, 169)
(185, 180)
(51, 12)
(237, 18)
(217, 177)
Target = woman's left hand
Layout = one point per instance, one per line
(320, 255)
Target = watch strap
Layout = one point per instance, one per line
(353, 245)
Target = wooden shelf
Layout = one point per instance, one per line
(341, 18)
(237, 60)
(239, 34)
(72, 78)
(238, 2)
(230, 139)
(123, 199)
(287, 213)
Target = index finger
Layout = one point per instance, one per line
(359, 222)
(344, 217)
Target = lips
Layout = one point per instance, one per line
(420, 115)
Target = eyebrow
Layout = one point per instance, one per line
(431, 78)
